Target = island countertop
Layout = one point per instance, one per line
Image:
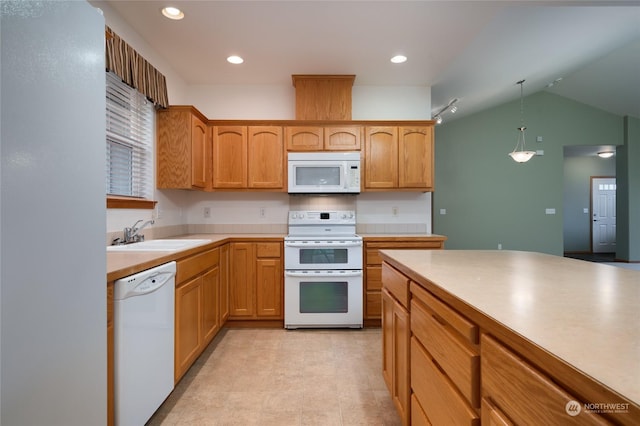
(585, 314)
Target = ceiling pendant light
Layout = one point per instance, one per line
(521, 156)
(606, 154)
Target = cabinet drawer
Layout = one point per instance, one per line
(196, 264)
(373, 256)
(373, 304)
(524, 394)
(460, 362)
(268, 250)
(418, 416)
(459, 323)
(397, 284)
(374, 278)
(436, 394)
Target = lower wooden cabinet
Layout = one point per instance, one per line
(460, 373)
(256, 281)
(373, 266)
(197, 318)
(395, 349)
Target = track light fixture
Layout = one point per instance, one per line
(450, 107)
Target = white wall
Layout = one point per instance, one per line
(53, 331)
(275, 102)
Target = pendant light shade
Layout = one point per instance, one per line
(519, 154)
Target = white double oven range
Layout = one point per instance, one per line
(323, 271)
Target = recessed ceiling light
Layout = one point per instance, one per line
(398, 59)
(172, 13)
(235, 59)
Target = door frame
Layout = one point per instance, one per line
(591, 178)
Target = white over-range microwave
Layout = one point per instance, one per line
(324, 172)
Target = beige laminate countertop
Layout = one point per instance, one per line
(586, 314)
(122, 264)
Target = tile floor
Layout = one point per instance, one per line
(284, 377)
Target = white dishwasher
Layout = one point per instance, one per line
(143, 343)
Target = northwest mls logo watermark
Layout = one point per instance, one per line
(573, 408)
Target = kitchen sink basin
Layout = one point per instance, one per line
(159, 245)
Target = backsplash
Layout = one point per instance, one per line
(184, 212)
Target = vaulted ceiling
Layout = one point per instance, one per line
(474, 51)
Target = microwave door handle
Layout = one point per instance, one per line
(346, 176)
(321, 275)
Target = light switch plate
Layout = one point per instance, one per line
(550, 211)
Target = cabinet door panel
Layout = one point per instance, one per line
(269, 276)
(401, 379)
(230, 157)
(342, 138)
(241, 276)
(387, 339)
(224, 284)
(210, 292)
(381, 157)
(199, 153)
(266, 157)
(304, 138)
(415, 156)
(188, 326)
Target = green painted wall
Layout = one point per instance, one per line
(628, 193)
(490, 199)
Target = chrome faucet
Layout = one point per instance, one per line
(131, 234)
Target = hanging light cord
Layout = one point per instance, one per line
(522, 128)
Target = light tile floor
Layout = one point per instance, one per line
(284, 377)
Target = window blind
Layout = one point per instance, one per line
(129, 140)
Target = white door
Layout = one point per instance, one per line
(603, 208)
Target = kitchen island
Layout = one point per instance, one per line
(517, 336)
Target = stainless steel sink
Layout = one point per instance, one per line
(159, 245)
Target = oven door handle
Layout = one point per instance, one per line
(307, 245)
(297, 274)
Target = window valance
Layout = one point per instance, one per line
(133, 69)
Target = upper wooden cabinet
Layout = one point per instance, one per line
(242, 155)
(323, 138)
(183, 149)
(248, 157)
(399, 158)
(230, 157)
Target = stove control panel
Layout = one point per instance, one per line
(305, 217)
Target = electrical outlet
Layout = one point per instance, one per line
(394, 211)
(207, 212)
(499, 246)
(263, 212)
